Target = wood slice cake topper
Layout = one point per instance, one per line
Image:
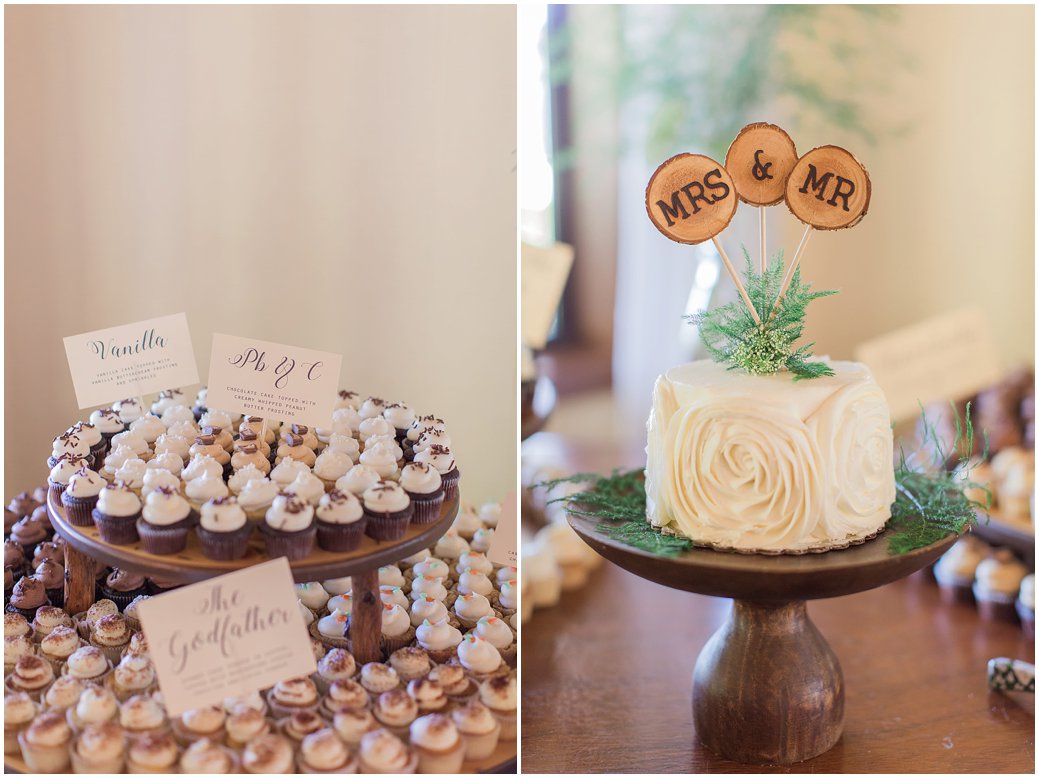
(828, 189)
(691, 198)
(760, 160)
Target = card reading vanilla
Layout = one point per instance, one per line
(131, 360)
(228, 636)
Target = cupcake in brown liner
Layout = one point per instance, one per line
(479, 729)
(332, 630)
(324, 751)
(29, 531)
(401, 417)
(440, 458)
(123, 587)
(470, 608)
(165, 522)
(85, 621)
(395, 710)
(47, 619)
(66, 466)
(108, 423)
(426, 490)
(205, 723)
(340, 521)
(954, 571)
(99, 748)
(996, 584)
(224, 529)
(439, 639)
(289, 528)
(53, 577)
(96, 705)
(92, 436)
(397, 631)
(69, 442)
(45, 743)
(388, 510)
(337, 665)
(19, 712)
(480, 659)
(499, 634)
(28, 595)
(152, 752)
(427, 608)
(133, 676)
(380, 751)
(116, 515)
(437, 743)
(271, 753)
(291, 696)
(111, 634)
(59, 645)
(1026, 605)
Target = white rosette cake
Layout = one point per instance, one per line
(764, 463)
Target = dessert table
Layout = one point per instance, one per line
(616, 658)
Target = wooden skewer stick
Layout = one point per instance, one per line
(764, 259)
(736, 280)
(790, 270)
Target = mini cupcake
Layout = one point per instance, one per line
(135, 675)
(108, 423)
(472, 582)
(30, 531)
(470, 608)
(123, 587)
(345, 695)
(85, 621)
(508, 599)
(293, 447)
(395, 710)
(32, 675)
(201, 465)
(68, 442)
(478, 728)
(47, 619)
(371, 407)
(388, 510)
(45, 743)
(437, 743)
(15, 557)
(344, 443)
(450, 546)
(299, 725)
(81, 496)
(377, 677)
(129, 410)
(205, 723)
(441, 458)
(53, 577)
(111, 634)
(176, 413)
(63, 470)
(58, 645)
(380, 751)
(397, 631)
(135, 442)
(352, 724)
(410, 663)
(496, 632)
(116, 515)
(467, 523)
(489, 514)
(394, 595)
(15, 647)
(224, 530)
(337, 665)
(96, 705)
(131, 611)
(15, 624)
(358, 480)
(482, 540)
(291, 696)
(439, 639)
(256, 498)
(268, 754)
(499, 694)
(242, 476)
(287, 471)
(996, 585)
(427, 608)
(474, 561)
(375, 426)
(401, 417)
(425, 488)
(954, 571)
(307, 487)
(1026, 605)
(28, 596)
(244, 724)
(63, 694)
(341, 521)
(382, 460)
(289, 528)
(332, 630)
(153, 752)
(165, 522)
(324, 751)
(249, 455)
(131, 474)
(156, 478)
(330, 466)
(177, 445)
(429, 586)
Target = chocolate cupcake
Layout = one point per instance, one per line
(289, 528)
(340, 521)
(42, 517)
(224, 529)
(53, 576)
(165, 522)
(108, 423)
(8, 582)
(91, 435)
(426, 490)
(81, 496)
(22, 504)
(161, 585)
(401, 417)
(29, 531)
(996, 585)
(66, 467)
(388, 510)
(10, 518)
(440, 457)
(48, 550)
(116, 514)
(28, 595)
(14, 557)
(122, 587)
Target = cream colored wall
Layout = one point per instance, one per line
(952, 217)
(334, 177)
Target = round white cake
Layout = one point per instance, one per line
(764, 463)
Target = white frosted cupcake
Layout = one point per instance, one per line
(224, 529)
(340, 521)
(308, 487)
(425, 488)
(241, 477)
(256, 497)
(332, 465)
(201, 490)
(358, 480)
(287, 471)
(289, 527)
(344, 444)
(388, 509)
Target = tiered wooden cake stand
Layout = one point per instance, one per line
(84, 549)
(767, 687)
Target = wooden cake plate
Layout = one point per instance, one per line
(767, 687)
(84, 546)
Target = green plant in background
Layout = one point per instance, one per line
(700, 73)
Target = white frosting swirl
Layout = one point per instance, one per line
(494, 631)
(399, 415)
(176, 413)
(358, 480)
(222, 515)
(332, 465)
(286, 471)
(395, 620)
(437, 635)
(420, 478)
(344, 444)
(307, 486)
(156, 477)
(386, 497)
(116, 500)
(376, 425)
(438, 457)
(257, 493)
(478, 655)
(149, 427)
(167, 461)
(381, 460)
(208, 487)
(290, 514)
(426, 608)
(85, 483)
(133, 440)
(200, 466)
(338, 507)
(174, 444)
(163, 508)
(240, 478)
(132, 473)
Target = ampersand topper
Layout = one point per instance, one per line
(760, 160)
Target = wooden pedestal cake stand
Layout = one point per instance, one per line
(767, 687)
(84, 546)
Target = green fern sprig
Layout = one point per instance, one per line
(731, 335)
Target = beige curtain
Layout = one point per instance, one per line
(340, 178)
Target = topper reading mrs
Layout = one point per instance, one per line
(690, 198)
(696, 193)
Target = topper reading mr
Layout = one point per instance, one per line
(819, 184)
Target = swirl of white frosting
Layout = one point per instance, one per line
(129, 410)
(156, 477)
(334, 624)
(117, 500)
(290, 514)
(338, 507)
(381, 460)
(240, 478)
(117, 456)
(332, 465)
(200, 466)
(478, 655)
(475, 561)
(216, 418)
(494, 631)
(395, 620)
(167, 461)
(386, 442)
(419, 478)
(393, 595)
(437, 635)
(85, 483)
(451, 545)
(184, 429)
(472, 582)
(286, 471)
(149, 427)
(399, 415)
(133, 440)
(426, 608)
(257, 493)
(473, 606)
(432, 587)
(173, 444)
(432, 437)
(222, 515)
(432, 567)
(163, 508)
(132, 473)
(421, 424)
(72, 444)
(438, 457)
(176, 413)
(88, 432)
(853, 431)
(489, 514)
(307, 486)
(508, 595)
(208, 487)
(344, 443)
(107, 421)
(371, 407)
(358, 480)
(386, 497)
(341, 602)
(65, 469)
(376, 425)
(390, 575)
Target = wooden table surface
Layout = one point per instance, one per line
(607, 677)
